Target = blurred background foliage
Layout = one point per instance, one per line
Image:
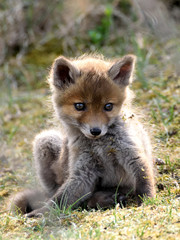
(33, 33)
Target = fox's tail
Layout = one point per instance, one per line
(27, 201)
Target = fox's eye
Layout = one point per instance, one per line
(108, 107)
(80, 106)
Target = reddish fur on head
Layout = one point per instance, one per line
(93, 82)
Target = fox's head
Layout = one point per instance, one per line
(88, 93)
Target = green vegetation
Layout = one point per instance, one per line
(25, 110)
(100, 34)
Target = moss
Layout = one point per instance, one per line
(44, 54)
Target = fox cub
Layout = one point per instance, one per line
(104, 151)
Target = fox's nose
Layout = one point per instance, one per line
(95, 131)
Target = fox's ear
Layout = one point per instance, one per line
(122, 70)
(63, 73)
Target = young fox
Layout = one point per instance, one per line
(105, 147)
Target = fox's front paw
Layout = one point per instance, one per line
(121, 199)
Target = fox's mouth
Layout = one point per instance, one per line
(92, 137)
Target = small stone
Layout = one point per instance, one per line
(160, 186)
(159, 161)
(176, 184)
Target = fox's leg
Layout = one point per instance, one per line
(107, 198)
(46, 149)
(101, 199)
(141, 169)
(79, 185)
(51, 159)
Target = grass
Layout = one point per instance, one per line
(24, 113)
(156, 219)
